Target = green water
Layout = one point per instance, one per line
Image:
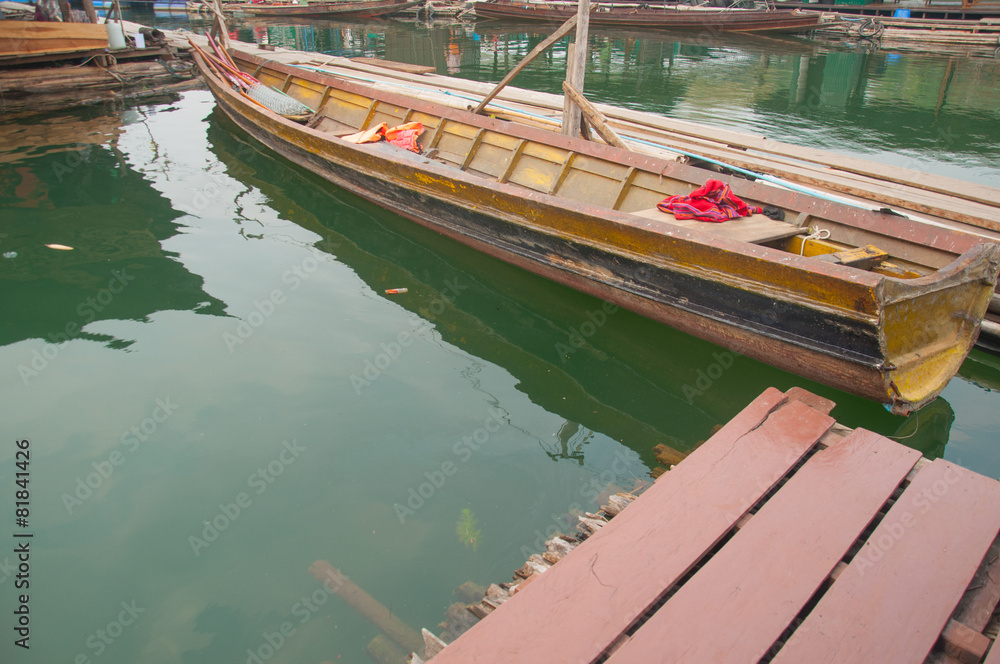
(218, 392)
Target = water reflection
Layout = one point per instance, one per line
(55, 172)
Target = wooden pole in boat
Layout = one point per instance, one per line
(576, 68)
(594, 117)
(88, 6)
(67, 12)
(219, 24)
(405, 636)
(563, 30)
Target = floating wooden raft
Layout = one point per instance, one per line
(784, 538)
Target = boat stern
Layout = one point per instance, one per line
(930, 324)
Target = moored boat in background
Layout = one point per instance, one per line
(340, 9)
(667, 17)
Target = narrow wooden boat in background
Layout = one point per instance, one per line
(340, 9)
(668, 17)
(584, 214)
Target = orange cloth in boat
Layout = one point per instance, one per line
(372, 135)
(404, 135)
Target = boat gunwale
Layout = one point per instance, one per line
(862, 278)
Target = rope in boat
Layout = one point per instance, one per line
(815, 234)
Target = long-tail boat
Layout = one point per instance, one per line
(585, 214)
(666, 17)
(338, 9)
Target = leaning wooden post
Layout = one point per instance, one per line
(67, 12)
(88, 6)
(563, 30)
(576, 68)
(594, 117)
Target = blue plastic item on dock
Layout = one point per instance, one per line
(901, 13)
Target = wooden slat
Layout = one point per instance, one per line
(755, 229)
(578, 608)
(396, 66)
(740, 602)
(994, 655)
(900, 590)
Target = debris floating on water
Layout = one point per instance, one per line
(395, 291)
(60, 247)
(10, 254)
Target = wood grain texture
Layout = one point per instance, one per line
(736, 606)
(898, 593)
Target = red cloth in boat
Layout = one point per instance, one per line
(405, 135)
(713, 201)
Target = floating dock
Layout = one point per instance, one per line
(784, 538)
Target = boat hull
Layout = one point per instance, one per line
(666, 18)
(359, 9)
(818, 321)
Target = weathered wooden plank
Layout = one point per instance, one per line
(736, 606)
(396, 66)
(899, 592)
(583, 604)
(756, 229)
(994, 655)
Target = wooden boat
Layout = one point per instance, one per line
(669, 17)
(22, 41)
(584, 214)
(343, 9)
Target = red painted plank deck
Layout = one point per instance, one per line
(895, 598)
(756, 602)
(738, 555)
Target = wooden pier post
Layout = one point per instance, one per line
(576, 68)
(405, 636)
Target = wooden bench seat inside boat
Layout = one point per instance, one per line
(756, 229)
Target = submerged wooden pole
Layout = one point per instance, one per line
(382, 650)
(576, 68)
(563, 30)
(405, 636)
(594, 117)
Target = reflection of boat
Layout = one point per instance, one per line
(666, 17)
(583, 214)
(353, 8)
(53, 194)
